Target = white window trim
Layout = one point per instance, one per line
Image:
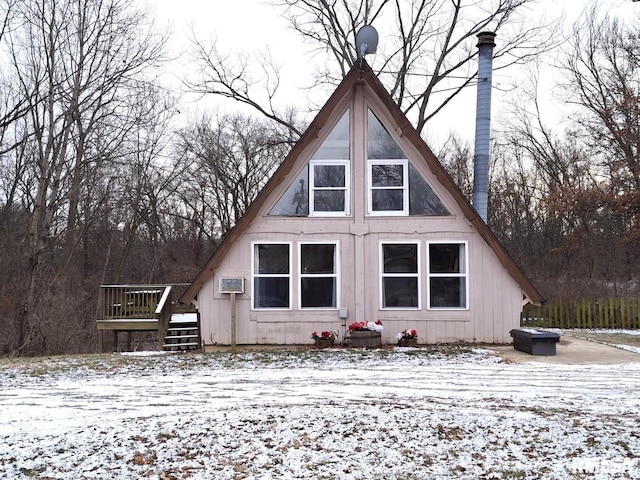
(418, 274)
(346, 188)
(464, 274)
(255, 275)
(335, 275)
(404, 188)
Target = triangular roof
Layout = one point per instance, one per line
(361, 73)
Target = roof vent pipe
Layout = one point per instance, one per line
(486, 42)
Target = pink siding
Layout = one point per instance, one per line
(494, 297)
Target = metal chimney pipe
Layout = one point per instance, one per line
(486, 42)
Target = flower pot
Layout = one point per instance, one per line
(324, 342)
(408, 342)
(366, 339)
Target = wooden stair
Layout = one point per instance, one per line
(183, 333)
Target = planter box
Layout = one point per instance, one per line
(368, 339)
(324, 343)
(408, 342)
(535, 342)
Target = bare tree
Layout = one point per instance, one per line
(602, 66)
(427, 56)
(456, 156)
(79, 65)
(230, 157)
(575, 205)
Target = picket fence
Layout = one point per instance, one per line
(609, 313)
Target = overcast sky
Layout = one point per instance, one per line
(250, 25)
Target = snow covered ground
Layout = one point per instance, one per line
(330, 414)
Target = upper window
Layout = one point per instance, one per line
(400, 283)
(318, 275)
(329, 193)
(448, 285)
(388, 187)
(271, 275)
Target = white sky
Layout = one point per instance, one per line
(252, 25)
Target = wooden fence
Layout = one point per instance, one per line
(614, 313)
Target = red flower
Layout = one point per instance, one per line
(324, 335)
(358, 326)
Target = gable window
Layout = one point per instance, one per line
(447, 274)
(400, 282)
(392, 189)
(271, 275)
(321, 188)
(388, 187)
(318, 275)
(422, 198)
(329, 194)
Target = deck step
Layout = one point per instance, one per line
(182, 333)
(179, 337)
(180, 345)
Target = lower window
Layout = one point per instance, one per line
(271, 275)
(447, 275)
(318, 275)
(400, 275)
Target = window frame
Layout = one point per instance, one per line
(417, 275)
(346, 189)
(463, 274)
(335, 275)
(255, 275)
(405, 187)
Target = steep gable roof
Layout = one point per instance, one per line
(361, 73)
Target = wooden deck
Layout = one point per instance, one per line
(139, 308)
(129, 324)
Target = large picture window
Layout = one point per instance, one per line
(271, 275)
(388, 187)
(400, 275)
(318, 275)
(447, 275)
(329, 193)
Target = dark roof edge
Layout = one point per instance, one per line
(285, 167)
(362, 72)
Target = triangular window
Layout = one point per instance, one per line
(322, 187)
(395, 186)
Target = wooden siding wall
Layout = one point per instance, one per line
(494, 297)
(486, 320)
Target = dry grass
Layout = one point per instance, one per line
(611, 337)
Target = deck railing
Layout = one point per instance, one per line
(130, 308)
(135, 301)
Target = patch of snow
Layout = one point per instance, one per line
(184, 317)
(629, 348)
(348, 414)
(145, 353)
(605, 331)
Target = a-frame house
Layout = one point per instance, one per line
(360, 223)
